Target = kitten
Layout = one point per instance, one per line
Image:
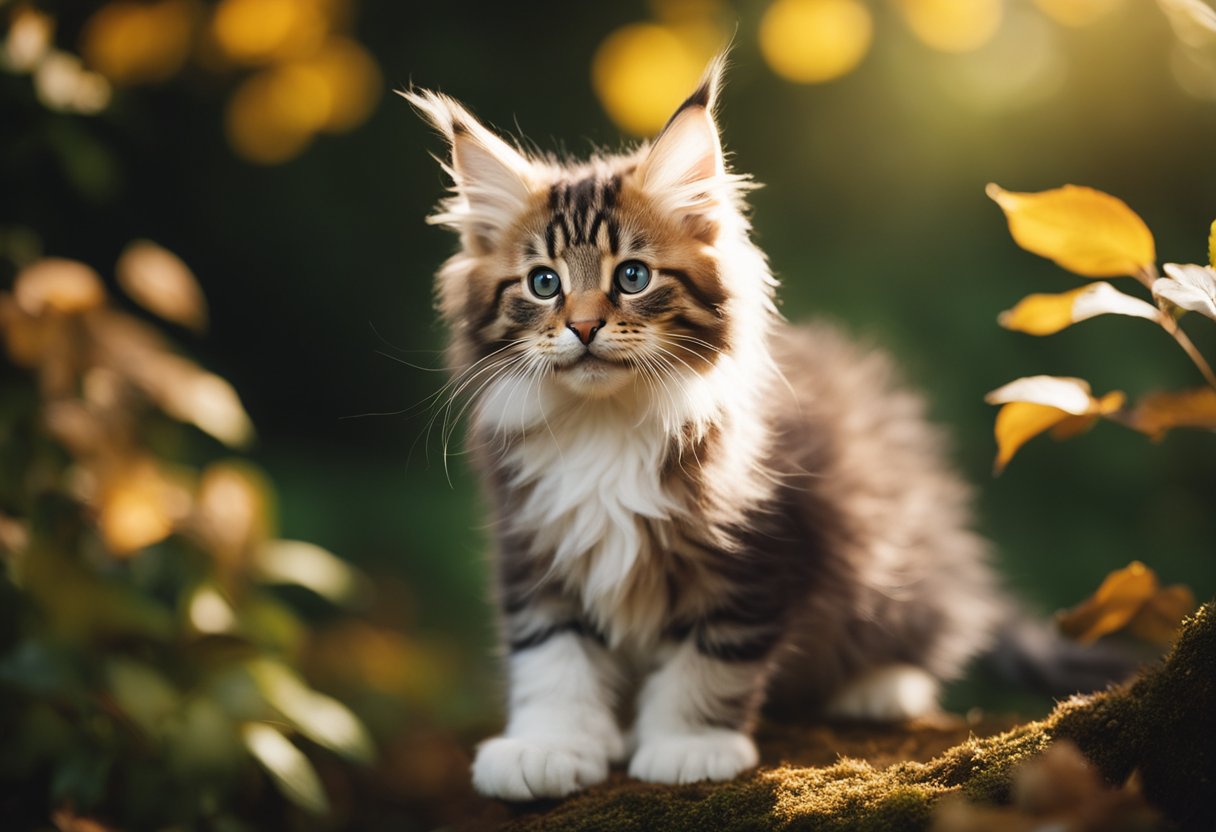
(696, 503)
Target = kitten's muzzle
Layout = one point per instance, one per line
(586, 329)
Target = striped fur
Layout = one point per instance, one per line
(701, 505)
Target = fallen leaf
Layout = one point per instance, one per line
(159, 281)
(1158, 413)
(1083, 230)
(1112, 607)
(1044, 314)
(1188, 287)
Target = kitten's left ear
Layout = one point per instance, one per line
(490, 177)
(684, 167)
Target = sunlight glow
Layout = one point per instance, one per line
(642, 72)
(1077, 12)
(812, 41)
(260, 31)
(139, 43)
(953, 25)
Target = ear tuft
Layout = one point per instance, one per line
(490, 177)
(684, 167)
(705, 95)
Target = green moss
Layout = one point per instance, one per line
(1163, 726)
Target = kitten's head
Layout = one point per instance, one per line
(630, 269)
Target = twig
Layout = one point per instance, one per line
(1171, 326)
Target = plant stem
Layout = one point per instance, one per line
(1171, 326)
(1148, 275)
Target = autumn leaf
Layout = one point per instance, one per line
(1083, 230)
(1161, 614)
(159, 281)
(1043, 314)
(1158, 413)
(1129, 599)
(57, 285)
(1212, 246)
(1035, 404)
(1188, 287)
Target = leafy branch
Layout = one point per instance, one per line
(1096, 235)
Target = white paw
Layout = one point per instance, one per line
(888, 694)
(523, 768)
(712, 754)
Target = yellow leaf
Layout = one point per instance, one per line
(1159, 618)
(1019, 422)
(1072, 426)
(1114, 605)
(1043, 314)
(1158, 413)
(1038, 403)
(1212, 246)
(1083, 230)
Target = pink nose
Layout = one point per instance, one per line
(585, 330)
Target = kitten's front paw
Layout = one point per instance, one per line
(712, 754)
(522, 768)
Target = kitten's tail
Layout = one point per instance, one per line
(1031, 652)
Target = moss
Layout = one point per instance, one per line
(1163, 726)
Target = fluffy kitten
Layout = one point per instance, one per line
(696, 504)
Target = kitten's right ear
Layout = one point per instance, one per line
(490, 179)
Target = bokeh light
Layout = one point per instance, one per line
(139, 43)
(1023, 65)
(641, 73)
(353, 80)
(30, 36)
(260, 31)
(812, 41)
(1077, 12)
(1195, 71)
(273, 115)
(953, 25)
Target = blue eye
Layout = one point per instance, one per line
(632, 276)
(544, 282)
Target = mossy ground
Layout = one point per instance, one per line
(1162, 726)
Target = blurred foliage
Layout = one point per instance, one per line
(308, 77)
(873, 213)
(144, 661)
(1096, 235)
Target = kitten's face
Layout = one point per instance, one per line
(596, 287)
(597, 275)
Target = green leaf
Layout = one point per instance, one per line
(287, 765)
(143, 693)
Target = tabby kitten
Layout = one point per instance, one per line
(696, 504)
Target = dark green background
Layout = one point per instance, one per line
(873, 213)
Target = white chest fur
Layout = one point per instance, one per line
(591, 476)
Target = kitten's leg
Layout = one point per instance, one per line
(561, 731)
(890, 693)
(694, 714)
